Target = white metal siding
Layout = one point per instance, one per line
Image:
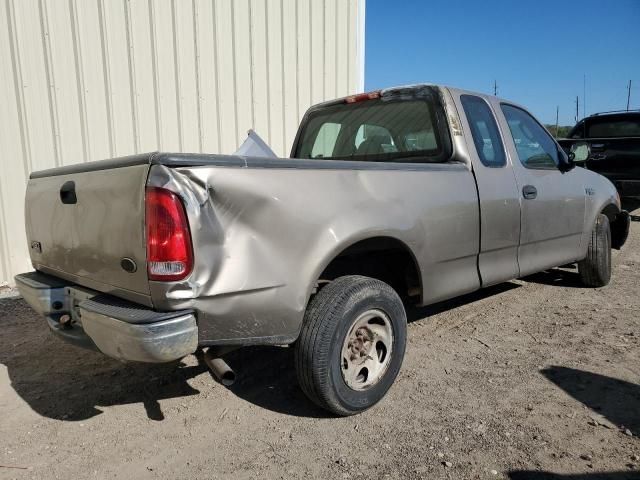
(84, 80)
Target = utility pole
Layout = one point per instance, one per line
(557, 116)
(584, 95)
(628, 94)
(577, 108)
(495, 88)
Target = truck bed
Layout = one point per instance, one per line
(213, 160)
(260, 228)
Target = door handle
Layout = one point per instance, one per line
(529, 192)
(68, 193)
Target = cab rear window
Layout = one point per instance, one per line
(378, 130)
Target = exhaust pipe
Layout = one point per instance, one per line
(223, 372)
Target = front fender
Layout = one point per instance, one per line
(620, 229)
(601, 197)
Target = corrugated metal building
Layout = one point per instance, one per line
(83, 80)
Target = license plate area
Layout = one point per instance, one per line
(75, 296)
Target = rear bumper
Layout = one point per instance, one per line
(120, 329)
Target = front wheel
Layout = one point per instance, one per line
(595, 269)
(351, 345)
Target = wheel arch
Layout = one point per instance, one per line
(387, 257)
(611, 210)
(618, 224)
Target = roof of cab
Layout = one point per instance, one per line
(406, 88)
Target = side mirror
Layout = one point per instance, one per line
(580, 151)
(565, 162)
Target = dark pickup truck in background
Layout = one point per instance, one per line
(609, 143)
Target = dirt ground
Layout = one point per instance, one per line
(533, 379)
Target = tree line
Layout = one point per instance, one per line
(563, 130)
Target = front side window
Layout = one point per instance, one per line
(535, 147)
(369, 132)
(325, 141)
(578, 131)
(484, 131)
(378, 130)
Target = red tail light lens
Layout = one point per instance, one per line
(360, 97)
(169, 252)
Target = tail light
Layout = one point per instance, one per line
(360, 97)
(169, 251)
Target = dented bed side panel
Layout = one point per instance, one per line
(263, 234)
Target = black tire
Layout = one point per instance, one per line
(595, 269)
(328, 320)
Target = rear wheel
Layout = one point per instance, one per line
(351, 345)
(595, 269)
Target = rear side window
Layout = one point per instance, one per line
(612, 127)
(378, 130)
(536, 149)
(484, 131)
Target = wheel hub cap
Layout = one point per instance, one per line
(367, 349)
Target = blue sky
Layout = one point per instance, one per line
(537, 51)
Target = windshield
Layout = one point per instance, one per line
(401, 130)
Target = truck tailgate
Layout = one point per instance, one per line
(87, 226)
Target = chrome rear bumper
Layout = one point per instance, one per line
(118, 328)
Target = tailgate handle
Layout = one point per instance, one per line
(68, 193)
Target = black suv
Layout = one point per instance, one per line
(613, 142)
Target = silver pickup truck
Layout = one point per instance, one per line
(407, 195)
